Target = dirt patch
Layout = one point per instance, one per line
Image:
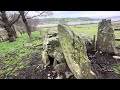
(36, 70)
(102, 66)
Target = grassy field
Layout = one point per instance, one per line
(88, 29)
(16, 55)
(6, 47)
(91, 30)
(14, 52)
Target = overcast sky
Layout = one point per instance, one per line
(93, 14)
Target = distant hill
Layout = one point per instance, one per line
(57, 20)
(113, 18)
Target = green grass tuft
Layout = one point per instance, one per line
(16, 55)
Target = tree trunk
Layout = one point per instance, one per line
(8, 27)
(28, 28)
(14, 32)
(10, 34)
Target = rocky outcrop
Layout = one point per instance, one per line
(105, 37)
(89, 42)
(74, 50)
(51, 47)
(63, 48)
(4, 35)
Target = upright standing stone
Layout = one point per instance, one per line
(74, 50)
(105, 37)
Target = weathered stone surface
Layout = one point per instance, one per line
(88, 42)
(3, 35)
(45, 58)
(60, 67)
(52, 46)
(18, 33)
(68, 74)
(59, 77)
(50, 42)
(74, 50)
(106, 38)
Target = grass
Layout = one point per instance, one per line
(117, 34)
(116, 69)
(6, 47)
(88, 29)
(91, 30)
(13, 53)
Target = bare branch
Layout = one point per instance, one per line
(13, 21)
(36, 15)
(26, 13)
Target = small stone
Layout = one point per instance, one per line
(53, 71)
(68, 74)
(49, 77)
(38, 66)
(116, 57)
(100, 52)
(48, 74)
(60, 67)
(59, 77)
(45, 58)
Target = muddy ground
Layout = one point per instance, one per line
(101, 66)
(36, 70)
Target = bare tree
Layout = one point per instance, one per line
(33, 23)
(24, 18)
(8, 25)
(22, 13)
(20, 26)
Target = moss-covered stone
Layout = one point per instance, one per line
(74, 50)
(106, 37)
(52, 46)
(45, 58)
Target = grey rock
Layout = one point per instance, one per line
(52, 46)
(59, 77)
(105, 37)
(68, 74)
(60, 67)
(74, 50)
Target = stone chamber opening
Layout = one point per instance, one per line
(51, 60)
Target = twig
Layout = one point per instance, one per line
(36, 15)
